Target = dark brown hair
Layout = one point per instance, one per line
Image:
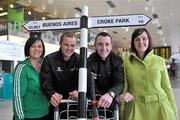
(29, 43)
(136, 33)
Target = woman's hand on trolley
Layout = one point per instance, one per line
(125, 97)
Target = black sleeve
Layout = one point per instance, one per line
(118, 76)
(90, 70)
(46, 79)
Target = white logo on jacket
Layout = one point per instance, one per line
(59, 69)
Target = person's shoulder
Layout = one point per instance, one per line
(21, 65)
(92, 55)
(127, 57)
(115, 57)
(159, 58)
(24, 62)
(92, 58)
(76, 55)
(52, 54)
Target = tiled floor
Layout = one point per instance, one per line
(6, 105)
(6, 111)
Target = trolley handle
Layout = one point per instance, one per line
(56, 113)
(68, 101)
(56, 109)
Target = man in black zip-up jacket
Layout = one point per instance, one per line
(108, 71)
(59, 73)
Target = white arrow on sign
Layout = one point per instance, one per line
(117, 21)
(93, 22)
(54, 24)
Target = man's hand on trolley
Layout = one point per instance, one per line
(105, 101)
(56, 99)
(74, 95)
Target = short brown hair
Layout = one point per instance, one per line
(67, 34)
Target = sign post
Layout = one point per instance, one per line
(82, 85)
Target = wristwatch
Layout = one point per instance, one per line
(112, 94)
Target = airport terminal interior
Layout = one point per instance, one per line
(20, 19)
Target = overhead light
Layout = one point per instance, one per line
(55, 13)
(29, 1)
(1, 8)
(3, 13)
(146, 8)
(43, 18)
(11, 5)
(77, 15)
(29, 12)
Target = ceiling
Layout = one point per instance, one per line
(164, 26)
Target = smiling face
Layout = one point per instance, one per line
(68, 45)
(36, 50)
(141, 43)
(103, 46)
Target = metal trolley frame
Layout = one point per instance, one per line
(69, 103)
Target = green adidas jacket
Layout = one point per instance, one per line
(28, 99)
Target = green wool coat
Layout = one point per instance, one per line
(147, 80)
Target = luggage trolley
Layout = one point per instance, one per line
(71, 112)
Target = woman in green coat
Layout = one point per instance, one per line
(148, 94)
(29, 102)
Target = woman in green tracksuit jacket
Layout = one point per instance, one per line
(147, 94)
(28, 99)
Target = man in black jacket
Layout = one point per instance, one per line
(59, 73)
(108, 71)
